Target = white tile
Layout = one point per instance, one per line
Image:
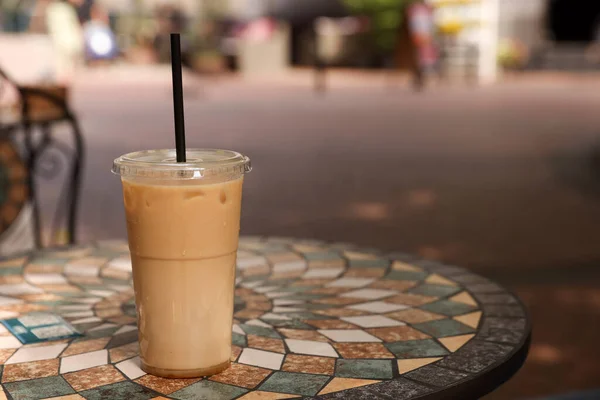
(26, 354)
(273, 295)
(252, 284)
(372, 321)
(371, 294)
(45, 279)
(323, 273)
(5, 301)
(86, 300)
(351, 282)
(260, 358)
(83, 361)
(102, 293)
(86, 320)
(103, 326)
(75, 269)
(121, 288)
(311, 348)
(236, 328)
(237, 280)
(266, 289)
(76, 307)
(121, 263)
(349, 335)
(79, 314)
(378, 307)
(250, 262)
(286, 302)
(3, 329)
(9, 342)
(19, 288)
(287, 309)
(8, 314)
(275, 316)
(125, 328)
(257, 322)
(132, 368)
(289, 266)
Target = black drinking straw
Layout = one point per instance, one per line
(178, 97)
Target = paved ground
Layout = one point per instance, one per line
(504, 180)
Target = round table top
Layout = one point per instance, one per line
(311, 320)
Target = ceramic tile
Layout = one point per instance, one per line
(348, 335)
(67, 397)
(121, 263)
(265, 343)
(434, 290)
(323, 273)
(415, 316)
(364, 369)
(78, 314)
(289, 324)
(45, 279)
(126, 328)
(454, 343)
(30, 370)
(351, 282)
(257, 322)
(242, 375)
(339, 384)
(449, 308)
(250, 262)
(93, 377)
(303, 334)
(310, 347)
(9, 342)
(259, 331)
(121, 390)
(397, 334)
(238, 340)
(85, 346)
(260, 395)
(330, 324)
(288, 266)
(471, 319)
(364, 272)
(7, 315)
(370, 294)
(248, 314)
(27, 354)
(444, 328)
(378, 307)
(83, 361)
(5, 354)
(476, 356)
(405, 366)
(406, 275)
(18, 289)
(372, 321)
(103, 327)
(75, 307)
(341, 312)
(287, 302)
(309, 364)
(15, 262)
(235, 352)
(394, 285)
(291, 382)
(417, 349)
(51, 387)
(436, 279)
(260, 358)
(122, 320)
(363, 350)
(124, 338)
(338, 301)
(286, 309)
(163, 385)
(328, 290)
(6, 301)
(464, 298)
(208, 390)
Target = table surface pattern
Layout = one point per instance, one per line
(311, 319)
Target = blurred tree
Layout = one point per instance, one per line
(386, 17)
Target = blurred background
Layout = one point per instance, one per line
(465, 131)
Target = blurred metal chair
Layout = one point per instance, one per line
(26, 127)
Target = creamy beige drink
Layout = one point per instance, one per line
(183, 238)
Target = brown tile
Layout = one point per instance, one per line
(49, 343)
(326, 264)
(5, 354)
(241, 292)
(258, 270)
(235, 352)
(8, 279)
(43, 269)
(67, 397)
(411, 299)
(85, 280)
(115, 274)
(303, 334)
(283, 257)
(107, 304)
(93, 377)
(397, 333)
(60, 288)
(260, 395)
(341, 312)
(414, 316)
(311, 282)
(395, 285)
(362, 350)
(124, 352)
(286, 275)
(265, 343)
(85, 346)
(309, 364)
(15, 262)
(24, 308)
(257, 297)
(249, 314)
(340, 301)
(255, 305)
(328, 290)
(163, 385)
(41, 297)
(365, 272)
(329, 324)
(122, 320)
(242, 375)
(109, 312)
(30, 370)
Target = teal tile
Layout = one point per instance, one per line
(303, 296)
(49, 261)
(294, 383)
(407, 275)
(435, 290)
(122, 390)
(377, 263)
(417, 349)
(305, 315)
(444, 328)
(364, 369)
(293, 324)
(316, 306)
(448, 307)
(294, 289)
(259, 331)
(208, 390)
(102, 332)
(254, 278)
(122, 339)
(322, 256)
(238, 340)
(39, 388)
(86, 326)
(11, 271)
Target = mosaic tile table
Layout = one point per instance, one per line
(311, 319)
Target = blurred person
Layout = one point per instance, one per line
(67, 38)
(100, 41)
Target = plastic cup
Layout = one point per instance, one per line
(183, 222)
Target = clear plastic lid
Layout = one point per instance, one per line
(201, 164)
